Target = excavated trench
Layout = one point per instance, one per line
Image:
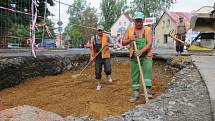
(64, 95)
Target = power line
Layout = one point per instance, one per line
(16, 11)
(63, 3)
(21, 12)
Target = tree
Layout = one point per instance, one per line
(19, 33)
(82, 17)
(151, 7)
(111, 10)
(9, 19)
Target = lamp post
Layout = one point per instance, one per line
(44, 24)
(59, 23)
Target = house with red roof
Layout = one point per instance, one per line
(168, 22)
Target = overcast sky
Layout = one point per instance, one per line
(64, 8)
(189, 5)
(180, 5)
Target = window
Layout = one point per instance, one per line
(168, 23)
(124, 23)
(163, 24)
(120, 23)
(165, 38)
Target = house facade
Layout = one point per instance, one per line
(120, 26)
(168, 22)
(118, 29)
(59, 41)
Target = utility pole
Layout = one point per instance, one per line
(44, 23)
(60, 23)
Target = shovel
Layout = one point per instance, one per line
(77, 75)
(141, 74)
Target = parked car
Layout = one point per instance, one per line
(13, 45)
(48, 43)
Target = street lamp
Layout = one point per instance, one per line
(59, 23)
(44, 24)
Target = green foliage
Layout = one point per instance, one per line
(150, 7)
(15, 24)
(81, 17)
(111, 10)
(8, 18)
(20, 33)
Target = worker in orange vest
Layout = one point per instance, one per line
(143, 37)
(98, 42)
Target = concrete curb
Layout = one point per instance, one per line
(205, 66)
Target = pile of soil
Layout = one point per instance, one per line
(66, 96)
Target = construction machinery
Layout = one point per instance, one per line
(188, 45)
(204, 23)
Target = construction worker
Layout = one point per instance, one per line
(98, 42)
(143, 37)
(180, 32)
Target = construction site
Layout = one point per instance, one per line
(64, 95)
(57, 80)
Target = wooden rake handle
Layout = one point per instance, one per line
(91, 60)
(141, 74)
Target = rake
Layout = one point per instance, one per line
(77, 75)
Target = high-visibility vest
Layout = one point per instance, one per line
(105, 52)
(130, 33)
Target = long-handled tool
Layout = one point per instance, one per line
(190, 47)
(77, 75)
(141, 74)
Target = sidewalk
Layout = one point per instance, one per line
(206, 67)
(27, 52)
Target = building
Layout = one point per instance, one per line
(59, 41)
(205, 10)
(120, 26)
(118, 29)
(204, 23)
(168, 22)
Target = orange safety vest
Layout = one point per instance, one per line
(130, 33)
(105, 52)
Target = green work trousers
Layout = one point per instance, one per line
(146, 64)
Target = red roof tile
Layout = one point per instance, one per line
(175, 15)
(187, 16)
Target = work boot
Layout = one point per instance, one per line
(108, 77)
(177, 54)
(135, 97)
(149, 92)
(98, 85)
